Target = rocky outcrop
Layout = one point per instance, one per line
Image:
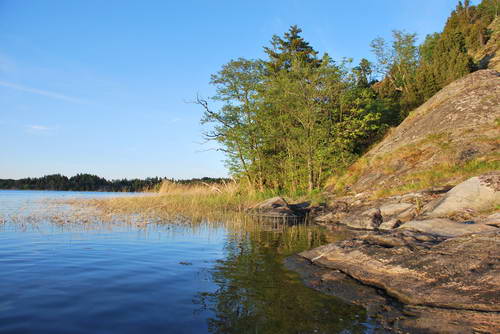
(422, 269)
(446, 211)
(369, 219)
(389, 225)
(395, 209)
(492, 220)
(436, 252)
(446, 227)
(458, 275)
(362, 213)
(477, 193)
(392, 316)
(455, 127)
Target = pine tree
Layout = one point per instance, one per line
(285, 49)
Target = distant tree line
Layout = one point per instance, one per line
(88, 182)
(289, 121)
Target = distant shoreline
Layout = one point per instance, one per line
(72, 190)
(90, 182)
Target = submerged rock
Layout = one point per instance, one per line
(458, 277)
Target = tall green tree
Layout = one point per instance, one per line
(236, 121)
(397, 64)
(288, 121)
(444, 59)
(287, 49)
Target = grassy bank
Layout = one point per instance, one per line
(196, 201)
(442, 174)
(200, 201)
(172, 200)
(438, 159)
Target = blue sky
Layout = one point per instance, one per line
(101, 86)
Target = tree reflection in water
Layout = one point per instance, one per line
(256, 294)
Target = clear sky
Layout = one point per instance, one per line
(101, 86)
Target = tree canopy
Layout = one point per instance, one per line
(286, 121)
(290, 120)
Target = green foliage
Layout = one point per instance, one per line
(472, 22)
(289, 122)
(236, 122)
(397, 64)
(292, 47)
(411, 75)
(428, 47)
(444, 60)
(447, 56)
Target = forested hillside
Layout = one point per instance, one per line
(290, 121)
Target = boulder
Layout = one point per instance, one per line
(407, 214)
(446, 227)
(492, 220)
(367, 220)
(384, 240)
(477, 193)
(278, 207)
(326, 218)
(389, 225)
(394, 209)
(271, 203)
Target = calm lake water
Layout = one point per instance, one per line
(214, 277)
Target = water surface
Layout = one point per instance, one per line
(213, 277)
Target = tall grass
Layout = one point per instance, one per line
(189, 204)
(196, 201)
(442, 174)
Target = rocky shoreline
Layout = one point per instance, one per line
(428, 262)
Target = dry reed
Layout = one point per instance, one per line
(174, 201)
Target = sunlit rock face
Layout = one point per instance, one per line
(477, 193)
(455, 126)
(450, 283)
